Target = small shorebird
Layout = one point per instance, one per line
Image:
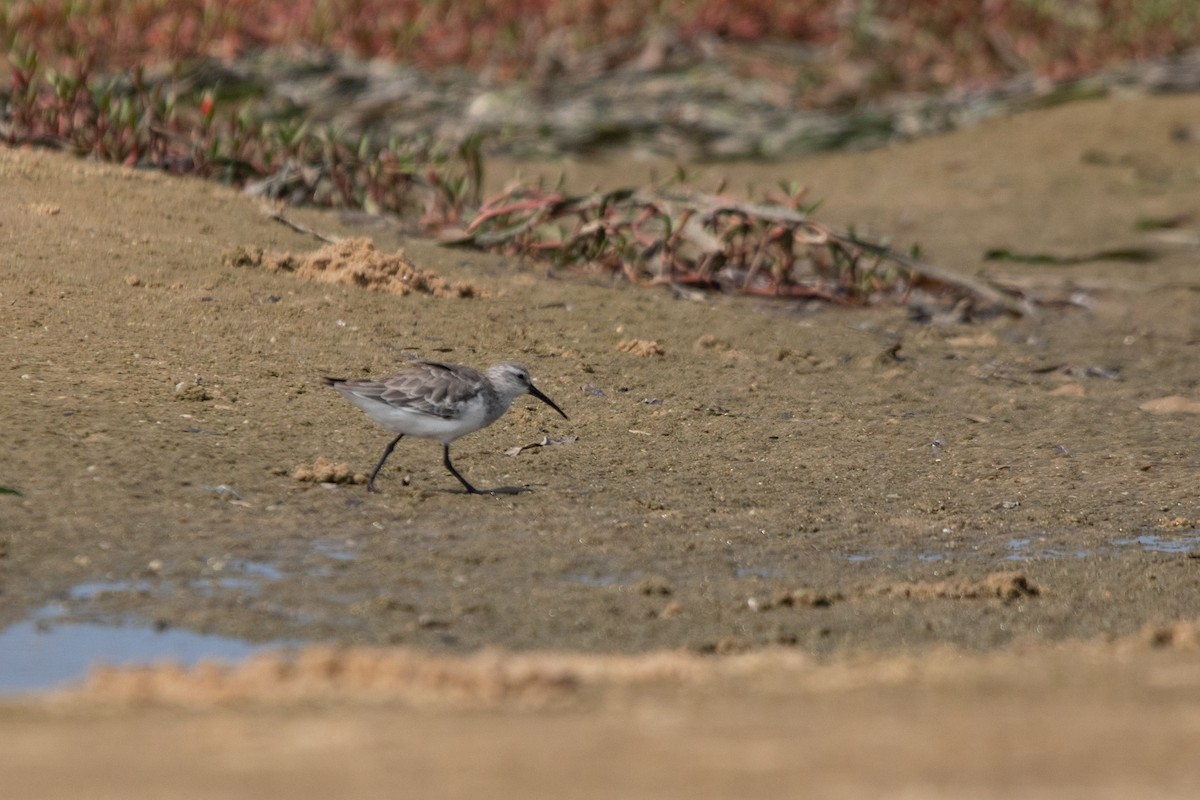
(432, 400)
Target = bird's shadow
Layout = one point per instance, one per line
(510, 490)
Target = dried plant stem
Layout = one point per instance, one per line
(692, 238)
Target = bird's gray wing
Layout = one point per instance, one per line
(429, 387)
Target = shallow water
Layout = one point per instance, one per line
(53, 647)
(36, 655)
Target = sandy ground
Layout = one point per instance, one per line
(968, 571)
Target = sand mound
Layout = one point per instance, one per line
(355, 262)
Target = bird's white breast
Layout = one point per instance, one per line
(468, 416)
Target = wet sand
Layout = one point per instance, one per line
(1009, 495)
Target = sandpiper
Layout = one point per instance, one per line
(433, 400)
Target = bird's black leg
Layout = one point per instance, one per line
(386, 452)
(446, 460)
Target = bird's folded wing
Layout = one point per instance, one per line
(428, 387)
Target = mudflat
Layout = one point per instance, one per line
(775, 544)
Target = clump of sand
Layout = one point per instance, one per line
(355, 262)
(1002, 585)
(644, 348)
(1007, 586)
(325, 471)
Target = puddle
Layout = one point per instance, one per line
(54, 645)
(339, 550)
(758, 572)
(93, 589)
(1033, 549)
(1039, 547)
(1178, 544)
(1156, 543)
(592, 580)
(36, 656)
(87, 597)
(259, 569)
(237, 574)
(928, 558)
(337, 554)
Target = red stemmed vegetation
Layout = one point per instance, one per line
(116, 80)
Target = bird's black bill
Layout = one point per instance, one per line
(533, 390)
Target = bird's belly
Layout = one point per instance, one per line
(471, 417)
